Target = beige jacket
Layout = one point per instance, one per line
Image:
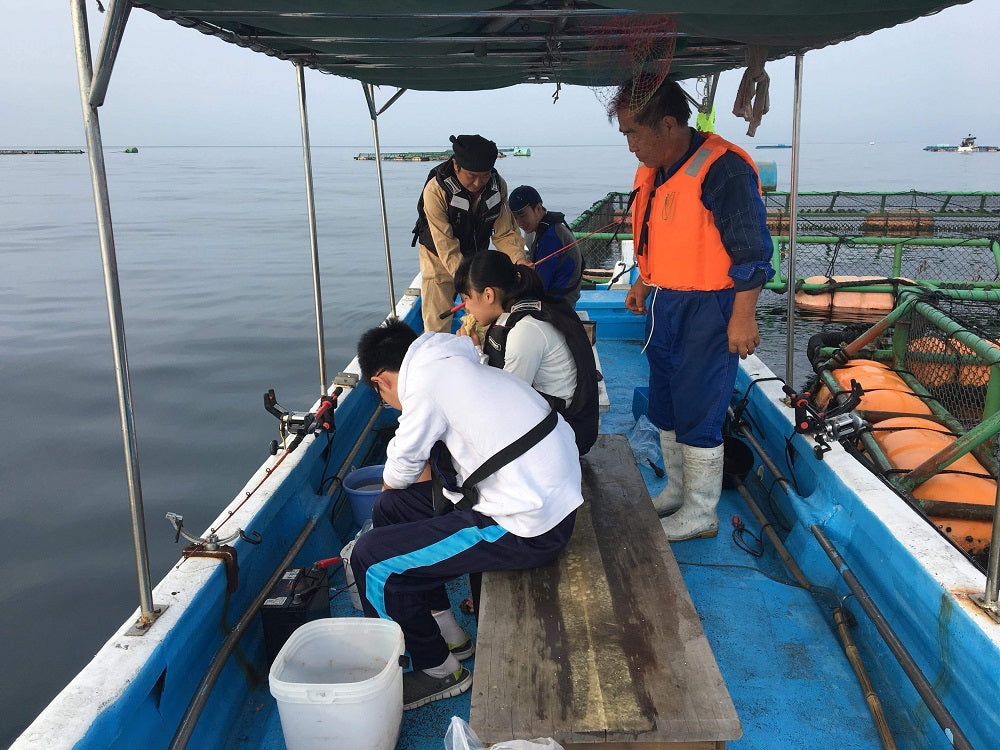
(506, 235)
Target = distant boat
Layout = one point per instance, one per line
(967, 146)
(774, 145)
(132, 150)
(521, 151)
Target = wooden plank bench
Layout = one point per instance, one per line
(604, 645)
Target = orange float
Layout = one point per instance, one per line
(907, 449)
(885, 390)
(846, 300)
(914, 442)
(943, 372)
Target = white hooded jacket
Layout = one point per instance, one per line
(447, 394)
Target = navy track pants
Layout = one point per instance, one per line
(402, 564)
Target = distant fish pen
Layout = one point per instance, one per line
(24, 151)
(406, 156)
(865, 242)
(434, 155)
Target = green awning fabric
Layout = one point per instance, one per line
(445, 45)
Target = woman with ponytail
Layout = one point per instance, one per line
(539, 340)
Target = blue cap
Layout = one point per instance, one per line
(522, 197)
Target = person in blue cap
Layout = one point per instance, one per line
(462, 207)
(546, 234)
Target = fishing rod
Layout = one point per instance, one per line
(461, 305)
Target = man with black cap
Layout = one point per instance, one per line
(547, 234)
(463, 205)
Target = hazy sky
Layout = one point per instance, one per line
(932, 80)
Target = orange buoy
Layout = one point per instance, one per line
(936, 370)
(972, 536)
(885, 390)
(975, 376)
(903, 423)
(907, 449)
(866, 362)
(845, 300)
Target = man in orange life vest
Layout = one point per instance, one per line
(702, 246)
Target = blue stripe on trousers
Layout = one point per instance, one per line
(459, 542)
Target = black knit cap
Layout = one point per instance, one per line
(474, 153)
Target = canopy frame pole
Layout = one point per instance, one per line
(111, 40)
(148, 612)
(793, 225)
(313, 242)
(369, 90)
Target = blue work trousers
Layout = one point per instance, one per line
(402, 564)
(691, 370)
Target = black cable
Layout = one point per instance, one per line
(329, 455)
(739, 529)
(783, 581)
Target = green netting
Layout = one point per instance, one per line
(950, 369)
(601, 252)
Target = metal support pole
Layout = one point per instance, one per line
(988, 600)
(114, 30)
(370, 97)
(793, 220)
(313, 244)
(99, 180)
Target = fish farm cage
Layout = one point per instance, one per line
(871, 241)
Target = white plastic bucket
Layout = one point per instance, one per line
(338, 684)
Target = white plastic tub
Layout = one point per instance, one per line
(338, 684)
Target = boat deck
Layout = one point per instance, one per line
(774, 642)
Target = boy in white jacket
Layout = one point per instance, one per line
(523, 515)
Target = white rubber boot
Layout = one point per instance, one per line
(672, 496)
(702, 488)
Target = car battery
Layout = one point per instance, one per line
(299, 596)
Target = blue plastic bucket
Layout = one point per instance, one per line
(362, 487)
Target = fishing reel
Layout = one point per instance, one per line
(831, 425)
(300, 424)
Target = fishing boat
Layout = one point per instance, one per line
(855, 624)
(967, 146)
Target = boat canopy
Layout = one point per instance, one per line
(445, 45)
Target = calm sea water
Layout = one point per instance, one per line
(213, 256)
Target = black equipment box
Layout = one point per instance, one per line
(300, 596)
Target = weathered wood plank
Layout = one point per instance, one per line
(604, 645)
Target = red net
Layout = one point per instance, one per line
(633, 49)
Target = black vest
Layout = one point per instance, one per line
(582, 414)
(472, 229)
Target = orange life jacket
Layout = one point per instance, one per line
(677, 243)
